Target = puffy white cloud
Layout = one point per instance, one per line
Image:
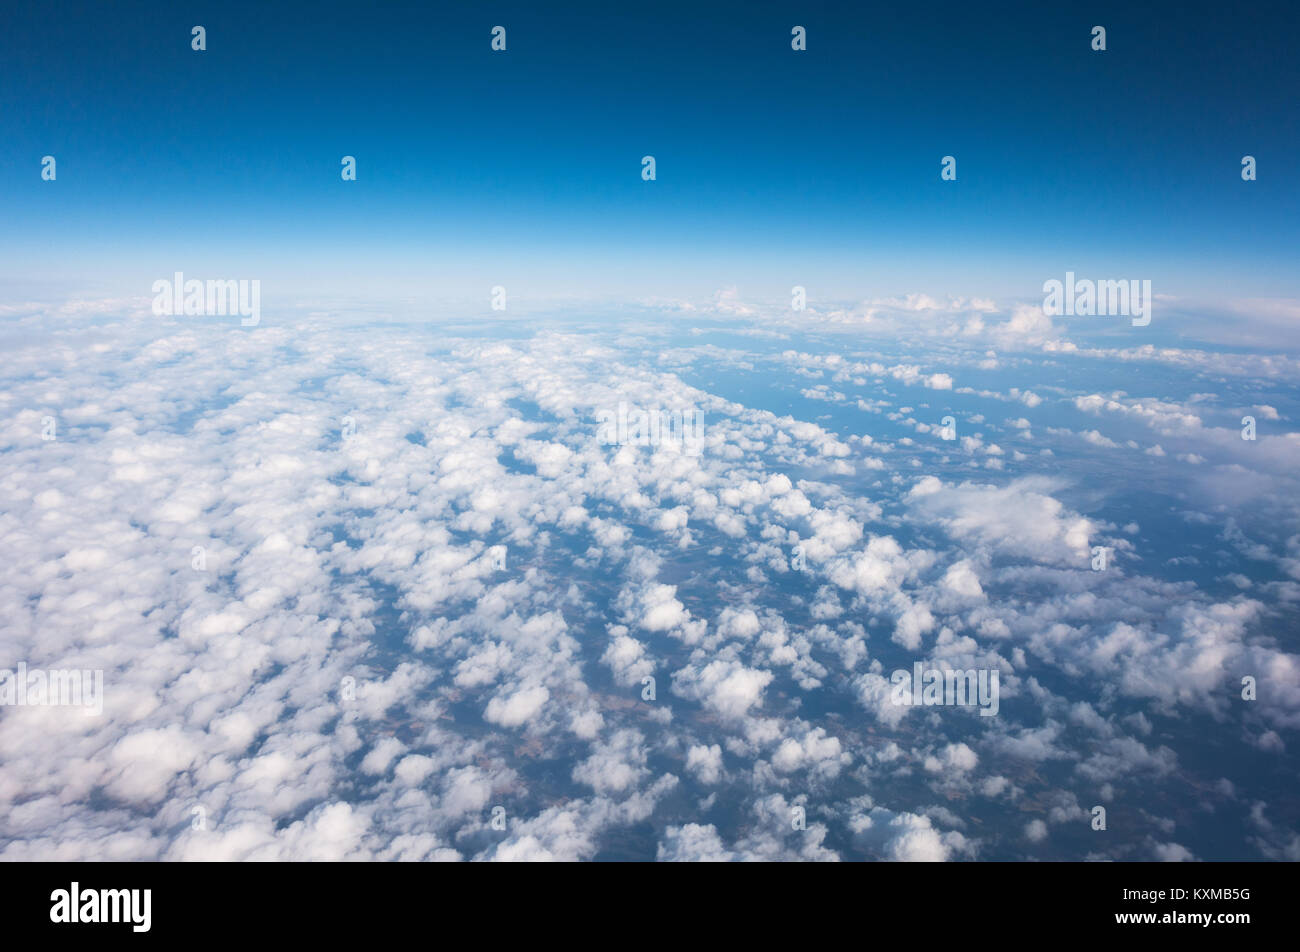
(1018, 519)
(954, 758)
(616, 765)
(626, 657)
(517, 707)
(962, 581)
(428, 589)
(727, 687)
(815, 751)
(906, 837)
(693, 843)
(705, 762)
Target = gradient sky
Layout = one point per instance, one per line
(774, 167)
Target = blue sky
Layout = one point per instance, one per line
(774, 167)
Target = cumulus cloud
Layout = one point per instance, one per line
(906, 837)
(1019, 519)
(726, 687)
(351, 591)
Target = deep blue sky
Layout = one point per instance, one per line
(774, 167)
